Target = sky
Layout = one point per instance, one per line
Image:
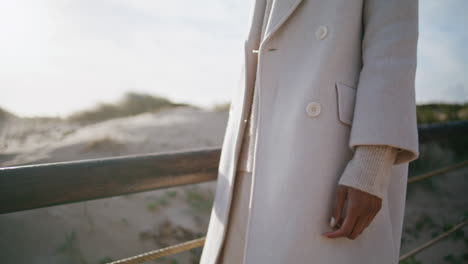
(58, 57)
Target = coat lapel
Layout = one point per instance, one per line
(281, 10)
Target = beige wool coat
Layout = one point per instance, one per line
(332, 74)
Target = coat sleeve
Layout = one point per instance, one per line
(385, 110)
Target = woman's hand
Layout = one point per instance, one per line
(361, 209)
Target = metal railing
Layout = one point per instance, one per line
(35, 186)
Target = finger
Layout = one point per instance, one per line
(371, 217)
(346, 228)
(358, 227)
(367, 220)
(340, 199)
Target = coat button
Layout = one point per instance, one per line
(321, 32)
(313, 109)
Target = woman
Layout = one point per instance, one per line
(328, 103)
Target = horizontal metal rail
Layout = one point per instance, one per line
(36, 186)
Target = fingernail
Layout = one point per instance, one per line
(332, 222)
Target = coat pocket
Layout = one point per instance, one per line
(346, 100)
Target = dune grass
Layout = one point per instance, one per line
(131, 104)
(4, 114)
(441, 112)
(221, 107)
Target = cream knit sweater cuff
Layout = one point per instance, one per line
(369, 169)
